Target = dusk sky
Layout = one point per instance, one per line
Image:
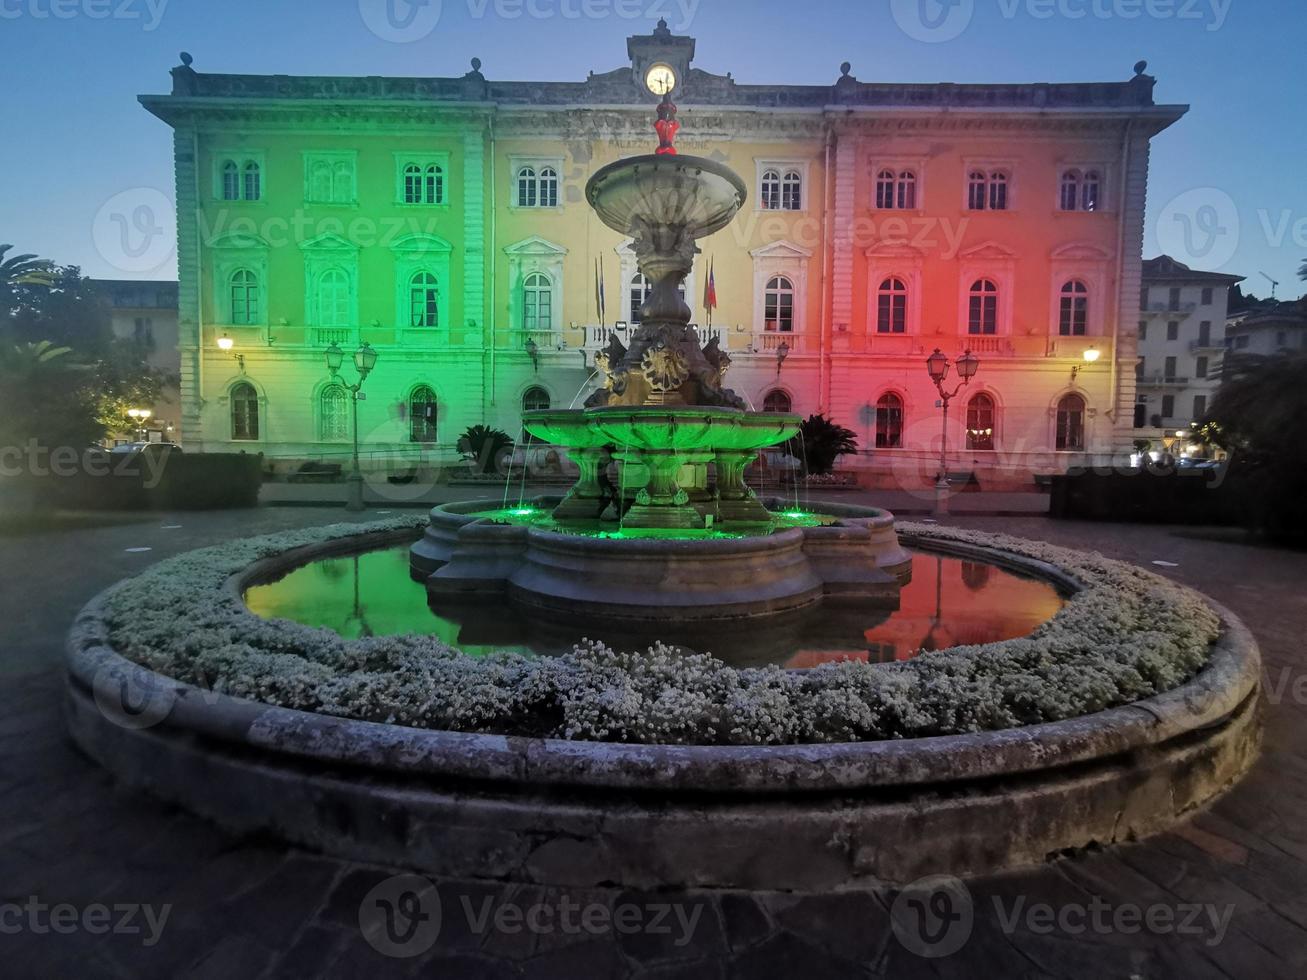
(1227, 187)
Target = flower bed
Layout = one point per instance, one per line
(1125, 635)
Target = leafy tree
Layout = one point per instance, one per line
(56, 304)
(484, 446)
(820, 443)
(1256, 410)
(44, 396)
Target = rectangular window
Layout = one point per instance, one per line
(1168, 406)
(1141, 414)
(1200, 407)
(1205, 334)
(1169, 371)
(1143, 329)
(1143, 298)
(1173, 300)
(1173, 330)
(1207, 295)
(1200, 368)
(1141, 369)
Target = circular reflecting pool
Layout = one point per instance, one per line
(948, 602)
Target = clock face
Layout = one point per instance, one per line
(660, 79)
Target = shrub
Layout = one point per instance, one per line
(484, 445)
(820, 442)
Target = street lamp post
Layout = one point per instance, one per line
(938, 367)
(365, 359)
(140, 416)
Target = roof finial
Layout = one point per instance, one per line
(1141, 67)
(845, 68)
(186, 58)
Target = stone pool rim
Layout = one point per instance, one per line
(586, 813)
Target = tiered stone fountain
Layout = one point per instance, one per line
(683, 547)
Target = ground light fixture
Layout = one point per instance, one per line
(365, 359)
(937, 366)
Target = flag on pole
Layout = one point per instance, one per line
(710, 291)
(599, 304)
(603, 312)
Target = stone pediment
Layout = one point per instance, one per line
(781, 250)
(1081, 252)
(534, 245)
(990, 251)
(893, 248)
(328, 243)
(237, 240)
(425, 244)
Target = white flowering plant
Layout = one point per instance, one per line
(1125, 635)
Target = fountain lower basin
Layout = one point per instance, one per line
(855, 558)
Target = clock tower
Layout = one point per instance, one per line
(660, 61)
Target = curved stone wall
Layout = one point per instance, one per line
(581, 813)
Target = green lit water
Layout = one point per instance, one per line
(948, 602)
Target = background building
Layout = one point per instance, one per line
(1268, 328)
(147, 312)
(443, 220)
(1181, 342)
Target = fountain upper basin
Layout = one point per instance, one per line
(696, 193)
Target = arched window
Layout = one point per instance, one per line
(1080, 190)
(342, 181)
(423, 300)
(537, 303)
(770, 198)
(535, 399)
(424, 185)
(778, 304)
(639, 292)
(527, 187)
(980, 422)
(333, 414)
(889, 421)
(792, 191)
(1073, 319)
(982, 307)
(896, 190)
(244, 287)
(892, 306)
(998, 190)
(1089, 191)
(320, 180)
(1071, 423)
(548, 187)
(250, 186)
(422, 414)
(1070, 190)
(231, 181)
(333, 299)
(977, 190)
(244, 412)
(777, 401)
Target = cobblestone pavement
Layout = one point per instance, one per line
(1223, 896)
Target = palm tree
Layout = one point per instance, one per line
(24, 270)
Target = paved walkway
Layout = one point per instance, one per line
(1224, 896)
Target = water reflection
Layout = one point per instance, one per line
(948, 602)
